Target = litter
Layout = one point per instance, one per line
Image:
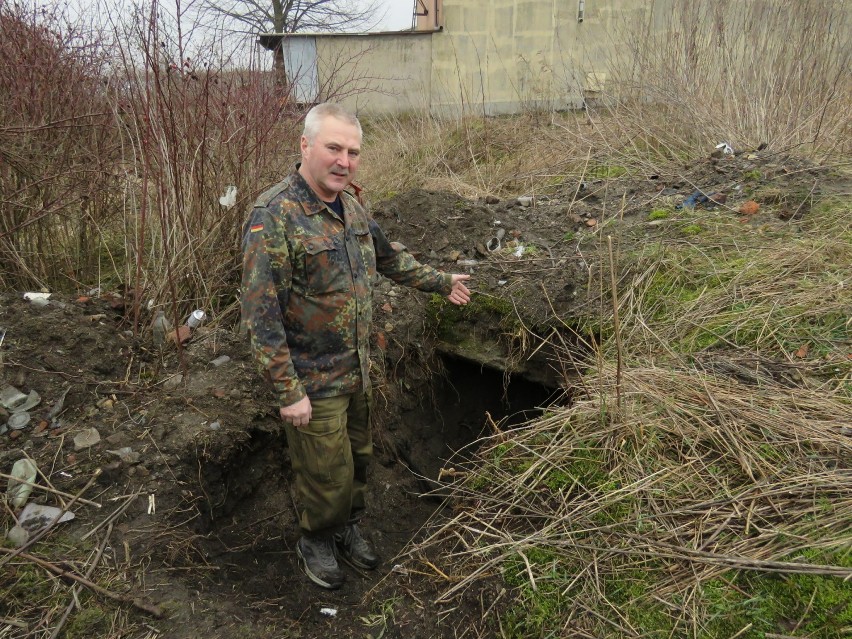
(519, 251)
(698, 197)
(32, 400)
(11, 397)
(726, 148)
(328, 612)
(222, 359)
(195, 318)
(34, 517)
(18, 536)
(18, 421)
(230, 198)
(24, 474)
(37, 299)
(57, 407)
(126, 454)
(160, 327)
(86, 439)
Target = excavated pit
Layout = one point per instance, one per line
(249, 500)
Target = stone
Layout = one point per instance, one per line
(173, 382)
(86, 439)
(17, 536)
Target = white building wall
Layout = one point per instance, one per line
(486, 56)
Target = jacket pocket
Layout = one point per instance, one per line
(326, 268)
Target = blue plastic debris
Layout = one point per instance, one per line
(698, 197)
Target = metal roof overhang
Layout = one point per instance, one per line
(271, 40)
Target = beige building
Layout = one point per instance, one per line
(478, 56)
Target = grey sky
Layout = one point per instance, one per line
(398, 14)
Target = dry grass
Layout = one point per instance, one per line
(694, 479)
(704, 477)
(473, 156)
(747, 72)
(701, 487)
(772, 292)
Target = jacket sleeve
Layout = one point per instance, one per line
(265, 292)
(395, 262)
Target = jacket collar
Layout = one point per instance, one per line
(307, 197)
(310, 201)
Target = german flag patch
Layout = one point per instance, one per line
(254, 228)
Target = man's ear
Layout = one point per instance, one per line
(303, 145)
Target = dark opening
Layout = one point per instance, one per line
(463, 400)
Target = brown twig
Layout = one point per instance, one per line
(54, 491)
(61, 572)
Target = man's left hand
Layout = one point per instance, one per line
(459, 295)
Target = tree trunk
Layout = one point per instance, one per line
(278, 55)
(279, 67)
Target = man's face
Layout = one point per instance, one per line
(330, 161)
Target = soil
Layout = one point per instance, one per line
(197, 519)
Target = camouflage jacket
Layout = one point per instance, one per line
(307, 286)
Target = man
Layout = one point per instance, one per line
(310, 256)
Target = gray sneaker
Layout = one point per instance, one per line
(354, 549)
(317, 555)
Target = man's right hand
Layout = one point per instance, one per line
(298, 414)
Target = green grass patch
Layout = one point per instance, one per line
(607, 171)
(815, 605)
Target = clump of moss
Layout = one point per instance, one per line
(445, 318)
(659, 214)
(91, 621)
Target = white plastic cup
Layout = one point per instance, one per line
(195, 318)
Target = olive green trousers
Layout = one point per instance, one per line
(330, 457)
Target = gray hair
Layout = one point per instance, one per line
(320, 112)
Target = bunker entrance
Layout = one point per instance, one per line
(248, 528)
(462, 402)
(249, 517)
(256, 482)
